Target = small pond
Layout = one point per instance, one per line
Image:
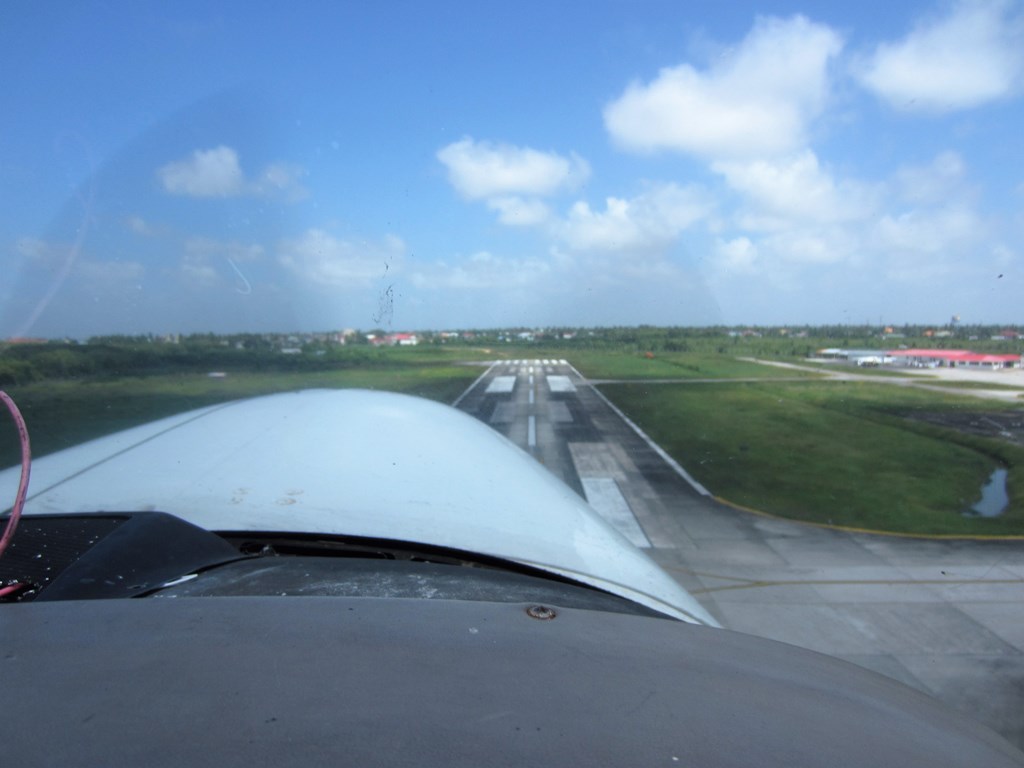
(994, 498)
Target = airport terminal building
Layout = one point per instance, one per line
(923, 358)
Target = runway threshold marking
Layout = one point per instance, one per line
(561, 384)
(604, 495)
(643, 436)
(501, 385)
(472, 386)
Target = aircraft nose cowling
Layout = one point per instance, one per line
(357, 463)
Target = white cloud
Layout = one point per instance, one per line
(217, 173)
(808, 245)
(945, 231)
(481, 169)
(650, 221)
(756, 99)
(933, 183)
(281, 179)
(483, 270)
(326, 261)
(33, 248)
(795, 188)
(736, 255)
(510, 180)
(197, 271)
(519, 212)
(205, 173)
(108, 274)
(203, 263)
(139, 226)
(972, 56)
(228, 249)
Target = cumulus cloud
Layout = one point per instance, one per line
(511, 181)
(519, 212)
(330, 262)
(217, 173)
(33, 248)
(649, 221)
(140, 226)
(205, 173)
(97, 275)
(229, 249)
(56, 257)
(943, 230)
(736, 255)
(933, 183)
(483, 270)
(756, 99)
(206, 262)
(971, 56)
(795, 188)
(809, 245)
(198, 271)
(282, 180)
(481, 169)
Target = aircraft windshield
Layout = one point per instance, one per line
(747, 277)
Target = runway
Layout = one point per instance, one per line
(944, 616)
(549, 410)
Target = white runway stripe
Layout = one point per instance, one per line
(561, 384)
(501, 385)
(604, 496)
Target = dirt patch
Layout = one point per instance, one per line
(1001, 426)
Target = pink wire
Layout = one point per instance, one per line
(26, 467)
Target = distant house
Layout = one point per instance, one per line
(403, 339)
(394, 339)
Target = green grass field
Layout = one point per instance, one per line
(671, 365)
(863, 370)
(974, 385)
(836, 453)
(832, 452)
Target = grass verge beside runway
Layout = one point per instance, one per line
(64, 413)
(672, 365)
(839, 453)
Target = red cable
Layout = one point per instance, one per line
(26, 467)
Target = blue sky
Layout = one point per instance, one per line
(250, 167)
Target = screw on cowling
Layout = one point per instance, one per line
(541, 612)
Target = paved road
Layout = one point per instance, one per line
(946, 617)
